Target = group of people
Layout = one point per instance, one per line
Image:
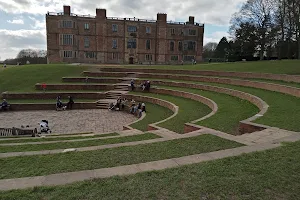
(4, 105)
(118, 105)
(60, 105)
(137, 108)
(144, 86)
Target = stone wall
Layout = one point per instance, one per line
(47, 106)
(91, 80)
(53, 95)
(282, 77)
(38, 86)
(255, 84)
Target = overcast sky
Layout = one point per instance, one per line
(22, 22)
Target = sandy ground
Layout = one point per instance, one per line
(74, 121)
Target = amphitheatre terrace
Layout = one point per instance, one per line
(223, 130)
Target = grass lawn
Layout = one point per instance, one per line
(25, 166)
(155, 113)
(53, 101)
(44, 139)
(237, 109)
(66, 145)
(189, 110)
(275, 67)
(23, 78)
(272, 174)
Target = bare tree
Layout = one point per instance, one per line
(259, 13)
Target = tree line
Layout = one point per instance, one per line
(261, 29)
(31, 56)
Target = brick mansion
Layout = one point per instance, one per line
(74, 38)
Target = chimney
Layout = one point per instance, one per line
(101, 13)
(161, 17)
(191, 20)
(67, 10)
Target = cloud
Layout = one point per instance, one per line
(208, 11)
(215, 37)
(14, 41)
(37, 23)
(16, 21)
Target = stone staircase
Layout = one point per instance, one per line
(119, 90)
(121, 87)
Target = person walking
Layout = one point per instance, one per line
(70, 103)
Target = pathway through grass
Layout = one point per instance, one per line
(65, 145)
(25, 166)
(266, 175)
(44, 139)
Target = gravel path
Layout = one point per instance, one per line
(74, 121)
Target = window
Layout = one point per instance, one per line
(68, 54)
(67, 39)
(190, 45)
(180, 46)
(192, 32)
(131, 28)
(131, 44)
(148, 30)
(149, 57)
(172, 31)
(172, 46)
(90, 54)
(114, 44)
(86, 42)
(148, 44)
(67, 24)
(114, 28)
(86, 26)
(174, 58)
(115, 56)
(188, 58)
(181, 32)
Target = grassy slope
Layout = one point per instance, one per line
(189, 110)
(275, 67)
(284, 110)
(266, 175)
(44, 139)
(76, 161)
(23, 78)
(155, 113)
(234, 107)
(78, 144)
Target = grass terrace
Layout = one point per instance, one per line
(76, 144)
(189, 110)
(155, 113)
(271, 174)
(75, 161)
(52, 138)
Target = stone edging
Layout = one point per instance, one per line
(247, 83)
(282, 77)
(153, 100)
(248, 125)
